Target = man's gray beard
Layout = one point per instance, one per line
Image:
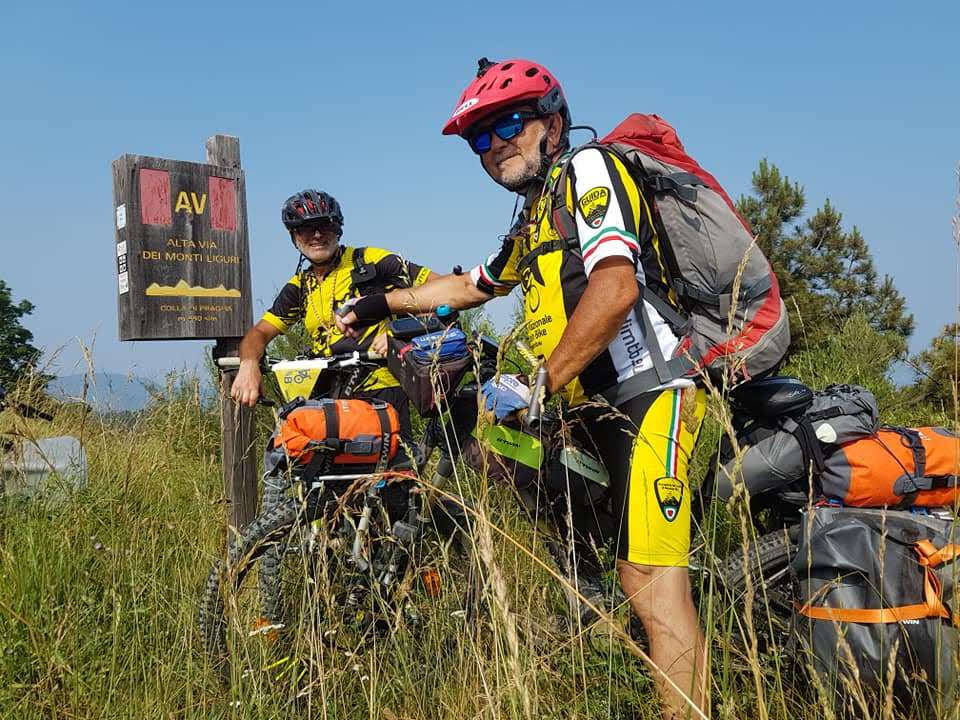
(518, 181)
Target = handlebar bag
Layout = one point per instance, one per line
(429, 367)
(360, 434)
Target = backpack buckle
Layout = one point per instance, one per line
(680, 184)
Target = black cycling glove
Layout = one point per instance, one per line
(369, 309)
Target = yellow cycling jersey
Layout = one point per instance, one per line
(613, 219)
(313, 301)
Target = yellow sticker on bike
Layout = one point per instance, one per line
(297, 382)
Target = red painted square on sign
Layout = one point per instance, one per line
(155, 197)
(223, 204)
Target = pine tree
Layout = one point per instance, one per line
(17, 355)
(936, 370)
(826, 273)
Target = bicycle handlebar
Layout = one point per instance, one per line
(337, 360)
(535, 413)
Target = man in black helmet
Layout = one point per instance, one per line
(335, 274)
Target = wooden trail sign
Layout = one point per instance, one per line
(183, 269)
(183, 273)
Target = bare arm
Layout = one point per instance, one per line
(611, 293)
(246, 386)
(457, 291)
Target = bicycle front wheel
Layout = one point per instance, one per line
(230, 618)
(761, 572)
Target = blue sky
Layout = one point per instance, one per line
(856, 101)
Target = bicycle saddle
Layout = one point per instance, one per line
(771, 397)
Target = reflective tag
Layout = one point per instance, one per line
(513, 445)
(585, 465)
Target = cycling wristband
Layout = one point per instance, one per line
(370, 308)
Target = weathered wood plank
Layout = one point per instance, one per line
(239, 453)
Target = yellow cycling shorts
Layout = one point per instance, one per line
(645, 445)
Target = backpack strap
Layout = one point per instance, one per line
(363, 272)
(802, 429)
(569, 244)
(722, 301)
(645, 381)
(681, 184)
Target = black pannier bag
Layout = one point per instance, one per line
(880, 583)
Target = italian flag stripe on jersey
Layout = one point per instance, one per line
(608, 234)
(673, 443)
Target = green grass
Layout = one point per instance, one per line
(98, 605)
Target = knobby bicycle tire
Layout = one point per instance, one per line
(268, 528)
(275, 530)
(275, 488)
(767, 571)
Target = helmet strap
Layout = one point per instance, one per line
(545, 161)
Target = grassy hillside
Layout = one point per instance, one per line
(98, 604)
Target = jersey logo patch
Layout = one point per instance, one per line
(593, 205)
(669, 492)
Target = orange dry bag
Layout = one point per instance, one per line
(895, 467)
(350, 431)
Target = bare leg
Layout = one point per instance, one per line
(661, 598)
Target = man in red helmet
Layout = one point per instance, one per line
(579, 303)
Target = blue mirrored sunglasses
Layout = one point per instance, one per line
(506, 128)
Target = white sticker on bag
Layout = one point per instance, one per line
(123, 282)
(121, 216)
(826, 433)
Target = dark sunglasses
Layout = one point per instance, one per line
(506, 128)
(311, 228)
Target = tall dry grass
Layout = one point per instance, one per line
(99, 597)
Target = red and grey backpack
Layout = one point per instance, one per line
(728, 307)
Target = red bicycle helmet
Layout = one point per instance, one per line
(502, 84)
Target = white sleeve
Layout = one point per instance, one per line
(600, 225)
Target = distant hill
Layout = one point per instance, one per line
(109, 392)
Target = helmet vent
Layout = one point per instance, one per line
(531, 72)
(503, 85)
(547, 80)
(507, 66)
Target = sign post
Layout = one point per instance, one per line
(183, 273)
